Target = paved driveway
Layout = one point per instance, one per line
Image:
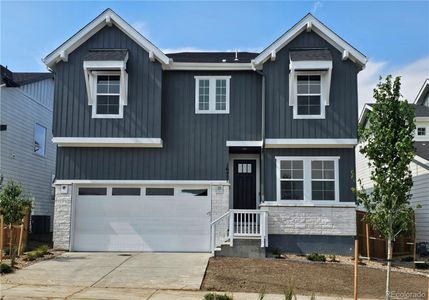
(116, 270)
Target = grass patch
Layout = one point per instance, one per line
(316, 257)
(37, 253)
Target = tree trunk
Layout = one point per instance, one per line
(11, 252)
(389, 266)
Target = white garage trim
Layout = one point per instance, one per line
(171, 223)
(141, 182)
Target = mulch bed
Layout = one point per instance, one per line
(332, 279)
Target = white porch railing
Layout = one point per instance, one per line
(239, 223)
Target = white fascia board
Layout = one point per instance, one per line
(104, 64)
(244, 143)
(105, 18)
(140, 182)
(318, 28)
(208, 66)
(107, 142)
(362, 117)
(311, 65)
(310, 143)
(422, 89)
(422, 119)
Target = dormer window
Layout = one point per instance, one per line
(309, 83)
(106, 82)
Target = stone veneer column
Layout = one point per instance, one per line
(220, 205)
(62, 217)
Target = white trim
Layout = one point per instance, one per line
(422, 89)
(310, 64)
(422, 119)
(108, 17)
(244, 143)
(312, 204)
(317, 27)
(212, 94)
(208, 66)
(140, 182)
(105, 64)
(307, 178)
(310, 143)
(107, 142)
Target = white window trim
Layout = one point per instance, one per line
(212, 94)
(307, 180)
(322, 95)
(94, 68)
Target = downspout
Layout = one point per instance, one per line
(262, 172)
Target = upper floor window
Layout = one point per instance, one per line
(307, 179)
(106, 82)
(421, 131)
(212, 94)
(308, 95)
(39, 139)
(108, 96)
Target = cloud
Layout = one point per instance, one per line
(412, 77)
(141, 27)
(318, 4)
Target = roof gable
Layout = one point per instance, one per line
(106, 18)
(310, 23)
(422, 93)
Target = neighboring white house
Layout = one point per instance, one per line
(419, 166)
(27, 154)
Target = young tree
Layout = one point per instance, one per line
(387, 141)
(13, 207)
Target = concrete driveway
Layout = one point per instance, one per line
(116, 270)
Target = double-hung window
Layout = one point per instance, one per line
(212, 94)
(308, 93)
(108, 96)
(307, 179)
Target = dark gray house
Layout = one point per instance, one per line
(190, 151)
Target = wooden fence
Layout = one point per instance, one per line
(19, 235)
(372, 245)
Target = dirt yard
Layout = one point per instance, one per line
(333, 279)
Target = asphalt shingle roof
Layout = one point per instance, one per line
(21, 78)
(422, 149)
(106, 54)
(312, 54)
(212, 57)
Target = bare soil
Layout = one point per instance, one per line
(323, 279)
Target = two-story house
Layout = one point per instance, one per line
(189, 151)
(419, 166)
(27, 154)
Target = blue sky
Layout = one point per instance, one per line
(394, 35)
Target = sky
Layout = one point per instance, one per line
(394, 35)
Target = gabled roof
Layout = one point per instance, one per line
(420, 111)
(106, 18)
(309, 22)
(15, 79)
(422, 93)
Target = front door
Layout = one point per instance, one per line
(244, 184)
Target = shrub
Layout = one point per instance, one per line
(316, 257)
(214, 296)
(333, 258)
(43, 250)
(5, 269)
(262, 292)
(422, 266)
(289, 293)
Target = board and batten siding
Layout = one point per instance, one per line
(142, 114)
(419, 191)
(194, 145)
(342, 111)
(346, 168)
(20, 109)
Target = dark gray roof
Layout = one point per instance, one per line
(422, 149)
(21, 78)
(106, 54)
(312, 54)
(212, 57)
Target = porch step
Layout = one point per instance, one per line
(250, 248)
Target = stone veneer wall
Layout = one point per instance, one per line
(220, 205)
(62, 217)
(311, 220)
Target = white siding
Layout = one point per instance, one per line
(420, 191)
(20, 111)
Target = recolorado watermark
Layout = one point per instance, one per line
(407, 295)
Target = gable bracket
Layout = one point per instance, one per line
(308, 26)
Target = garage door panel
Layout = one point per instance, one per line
(142, 223)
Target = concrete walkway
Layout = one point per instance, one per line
(116, 270)
(91, 293)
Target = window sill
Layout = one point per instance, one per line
(311, 117)
(212, 112)
(107, 116)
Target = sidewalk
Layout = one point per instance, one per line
(8, 291)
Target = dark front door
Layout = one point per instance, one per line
(244, 184)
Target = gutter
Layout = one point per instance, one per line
(262, 171)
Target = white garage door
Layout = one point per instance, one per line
(142, 219)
